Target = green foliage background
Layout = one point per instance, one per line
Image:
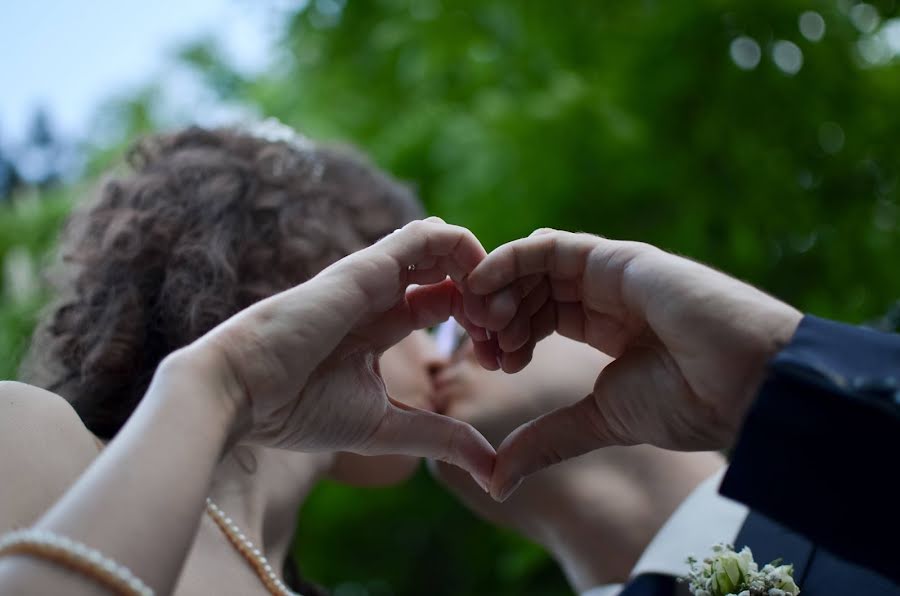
(626, 119)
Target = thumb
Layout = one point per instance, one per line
(624, 409)
(411, 431)
(554, 437)
(460, 484)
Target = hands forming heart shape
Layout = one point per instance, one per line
(689, 346)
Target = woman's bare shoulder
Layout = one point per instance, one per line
(44, 447)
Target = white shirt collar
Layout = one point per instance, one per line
(704, 518)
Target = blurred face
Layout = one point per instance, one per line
(408, 369)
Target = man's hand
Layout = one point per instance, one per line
(301, 367)
(690, 344)
(595, 513)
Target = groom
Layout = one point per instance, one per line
(810, 408)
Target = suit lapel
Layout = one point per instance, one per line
(770, 541)
(651, 584)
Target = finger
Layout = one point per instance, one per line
(502, 306)
(457, 481)
(566, 290)
(606, 333)
(487, 353)
(423, 306)
(456, 270)
(425, 276)
(561, 254)
(421, 240)
(476, 333)
(427, 263)
(571, 320)
(408, 431)
(429, 305)
(461, 484)
(516, 334)
(476, 308)
(513, 362)
(554, 437)
(543, 324)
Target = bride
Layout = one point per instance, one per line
(175, 438)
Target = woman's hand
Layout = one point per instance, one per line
(690, 344)
(301, 367)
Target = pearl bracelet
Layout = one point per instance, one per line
(75, 556)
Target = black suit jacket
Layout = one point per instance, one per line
(817, 571)
(818, 462)
(820, 448)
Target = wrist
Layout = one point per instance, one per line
(196, 380)
(777, 325)
(339, 280)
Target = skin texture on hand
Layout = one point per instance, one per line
(303, 364)
(407, 369)
(690, 344)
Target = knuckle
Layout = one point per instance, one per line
(604, 424)
(417, 226)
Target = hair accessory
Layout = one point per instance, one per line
(273, 130)
(76, 556)
(276, 131)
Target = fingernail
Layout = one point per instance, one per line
(483, 484)
(508, 490)
(499, 362)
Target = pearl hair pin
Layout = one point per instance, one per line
(273, 130)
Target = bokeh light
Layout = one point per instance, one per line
(865, 17)
(831, 137)
(787, 56)
(812, 25)
(745, 52)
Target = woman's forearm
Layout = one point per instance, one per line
(141, 500)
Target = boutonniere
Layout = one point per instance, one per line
(728, 573)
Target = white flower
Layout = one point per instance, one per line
(728, 573)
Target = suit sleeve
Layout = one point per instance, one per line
(819, 451)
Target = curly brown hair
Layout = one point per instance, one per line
(208, 222)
